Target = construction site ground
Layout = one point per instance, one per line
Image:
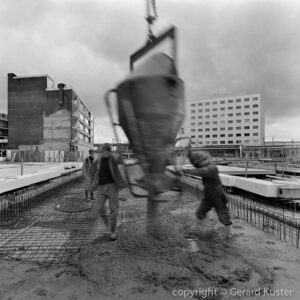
(184, 261)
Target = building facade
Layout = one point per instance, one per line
(3, 133)
(44, 117)
(229, 120)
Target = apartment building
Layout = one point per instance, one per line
(225, 120)
(47, 117)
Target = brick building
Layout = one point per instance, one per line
(44, 117)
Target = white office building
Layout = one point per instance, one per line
(225, 120)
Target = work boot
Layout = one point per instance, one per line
(113, 236)
(228, 233)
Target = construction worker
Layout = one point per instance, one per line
(214, 195)
(86, 167)
(107, 180)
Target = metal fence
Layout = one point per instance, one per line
(283, 221)
(44, 156)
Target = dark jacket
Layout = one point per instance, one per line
(113, 166)
(211, 180)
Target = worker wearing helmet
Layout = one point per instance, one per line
(214, 195)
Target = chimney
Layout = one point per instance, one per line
(61, 94)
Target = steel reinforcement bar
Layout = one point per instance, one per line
(15, 202)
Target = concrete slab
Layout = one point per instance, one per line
(11, 178)
(231, 170)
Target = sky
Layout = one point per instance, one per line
(224, 46)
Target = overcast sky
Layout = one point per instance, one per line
(224, 46)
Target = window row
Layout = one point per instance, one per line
(224, 135)
(224, 108)
(220, 129)
(229, 121)
(224, 142)
(222, 122)
(238, 100)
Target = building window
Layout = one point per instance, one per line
(193, 104)
(238, 141)
(200, 123)
(215, 116)
(206, 103)
(246, 113)
(247, 142)
(222, 115)
(200, 136)
(214, 142)
(238, 128)
(215, 135)
(230, 115)
(200, 110)
(230, 142)
(207, 136)
(200, 117)
(246, 120)
(207, 110)
(230, 121)
(255, 127)
(255, 134)
(193, 117)
(246, 134)
(215, 129)
(255, 105)
(222, 128)
(215, 102)
(238, 121)
(193, 111)
(246, 127)
(215, 122)
(246, 99)
(230, 128)
(230, 135)
(230, 107)
(207, 117)
(255, 98)
(237, 100)
(238, 114)
(199, 129)
(207, 123)
(215, 109)
(222, 122)
(230, 101)
(222, 135)
(238, 107)
(193, 130)
(222, 101)
(246, 106)
(200, 104)
(255, 112)
(193, 136)
(255, 120)
(222, 108)
(238, 134)
(222, 142)
(192, 124)
(206, 129)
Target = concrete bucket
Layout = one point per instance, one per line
(151, 111)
